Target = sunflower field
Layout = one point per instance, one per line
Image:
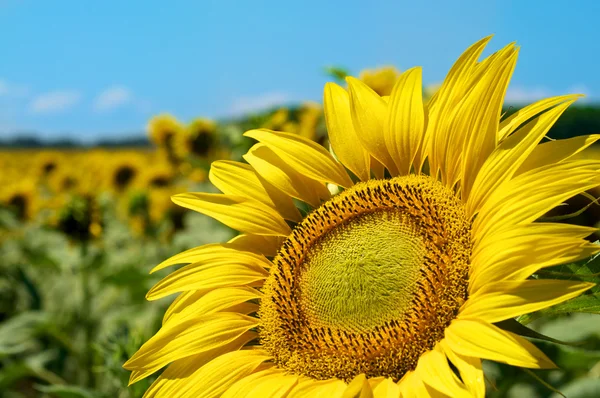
(112, 286)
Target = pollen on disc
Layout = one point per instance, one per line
(362, 273)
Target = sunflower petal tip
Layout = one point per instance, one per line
(589, 285)
(150, 296)
(178, 197)
(548, 364)
(351, 80)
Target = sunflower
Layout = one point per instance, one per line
(21, 198)
(380, 80)
(162, 130)
(279, 119)
(198, 139)
(309, 116)
(156, 175)
(303, 121)
(124, 171)
(81, 218)
(422, 236)
(47, 162)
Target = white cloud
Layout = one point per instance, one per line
(55, 101)
(523, 95)
(245, 105)
(112, 98)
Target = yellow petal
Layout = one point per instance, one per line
(377, 168)
(481, 129)
(308, 388)
(225, 272)
(509, 155)
(530, 195)
(227, 298)
(304, 155)
(444, 103)
(511, 123)
(471, 372)
(342, 136)
(387, 389)
(501, 300)
(556, 151)
(537, 230)
(480, 339)
(411, 386)
(215, 377)
(285, 177)
(375, 381)
(271, 386)
(236, 212)
(193, 335)
(244, 385)
(527, 263)
(240, 179)
(434, 370)
(178, 377)
(369, 112)
(406, 120)
(211, 252)
(265, 245)
(463, 118)
(180, 303)
(518, 252)
(358, 388)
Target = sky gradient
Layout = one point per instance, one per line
(93, 70)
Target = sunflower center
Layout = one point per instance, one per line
(19, 203)
(123, 176)
(362, 273)
(202, 143)
(369, 281)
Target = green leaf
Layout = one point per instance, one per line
(585, 270)
(338, 73)
(18, 332)
(514, 326)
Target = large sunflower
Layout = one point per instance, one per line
(392, 283)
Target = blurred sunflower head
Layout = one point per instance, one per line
(303, 120)
(192, 173)
(21, 198)
(380, 80)
(278, 120)
(309, 118)
(199, 139)
(156, 175)
(124, 172)
(162, 130)
(81, 218)
(66, 179)
(47, 162)
(394, 285)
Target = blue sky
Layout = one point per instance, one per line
(88, 69)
